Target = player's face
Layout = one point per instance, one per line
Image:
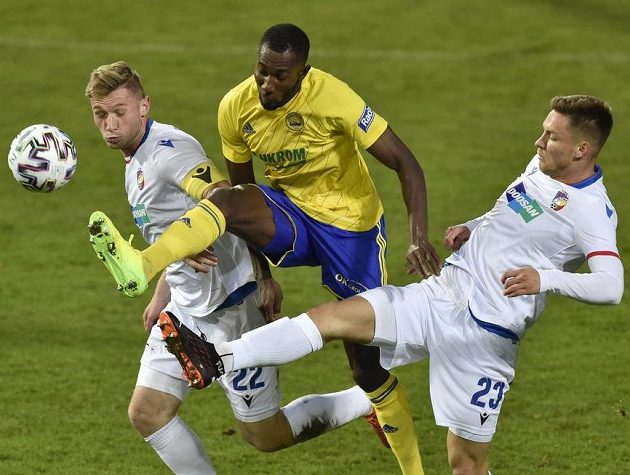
(278, 76)
(557, 147)
(121, 117)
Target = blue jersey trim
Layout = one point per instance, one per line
(590, 180)
(237, 297)
(493, 328)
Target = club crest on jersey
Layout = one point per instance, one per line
(140, 179)
(295, 121)
(560, 200)
(366, 118)
(248, 129)
(522, 204)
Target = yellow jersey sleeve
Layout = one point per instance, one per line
(233, 146)
(201, 177)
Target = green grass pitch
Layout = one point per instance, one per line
(465, 84)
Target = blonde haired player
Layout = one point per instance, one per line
(166, 173)
(321, 208)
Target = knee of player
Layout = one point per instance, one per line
(226, 199)
(262, 442)
(147, 418)
(140, 416)
(463, 462)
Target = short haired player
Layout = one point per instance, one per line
(469, 320)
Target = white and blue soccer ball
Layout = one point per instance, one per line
(42, 158)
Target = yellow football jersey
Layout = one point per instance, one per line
(309, 146)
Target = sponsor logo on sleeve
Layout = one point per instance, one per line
(521, 203)
(366, 118)
(140, 215)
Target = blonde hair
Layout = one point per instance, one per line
(108, 77)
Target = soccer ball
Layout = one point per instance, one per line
(42, 158)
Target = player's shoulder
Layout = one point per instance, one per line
(592, 199)
(243, 91)
(165, 136)
(318, 80)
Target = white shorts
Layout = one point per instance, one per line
(470, 369)
(253, 392)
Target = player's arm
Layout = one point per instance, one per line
(393, 153)
(457, 235)
(595, 237)
(240, 173)
(161, 297)
(198, 183)
(602, 285)
(269, 291)
(238, 159)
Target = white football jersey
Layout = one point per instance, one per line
(537, 222)
(152, 179)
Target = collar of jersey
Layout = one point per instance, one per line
(144, 138)
(590, 180)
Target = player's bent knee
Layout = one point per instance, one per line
(269, 435)
(141, 417)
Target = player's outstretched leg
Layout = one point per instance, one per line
(198, 358)
(122, 261)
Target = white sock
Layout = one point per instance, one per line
(312, 415)
(282, 341)
(180, 448)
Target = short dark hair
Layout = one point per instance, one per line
(287, 37)
(588, 115)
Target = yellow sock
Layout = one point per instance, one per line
(392, 409)
(187, 236)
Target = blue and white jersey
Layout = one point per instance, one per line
(153, 179)
(537, 222)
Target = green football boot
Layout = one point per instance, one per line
(123, 261)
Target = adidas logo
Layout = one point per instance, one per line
(389, 429)
(185, 220)
(248, 129)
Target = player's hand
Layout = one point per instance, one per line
(456, 236)
(524, 281)
(152, 313)
(422, 258)
(203, 261)
(269, 298)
